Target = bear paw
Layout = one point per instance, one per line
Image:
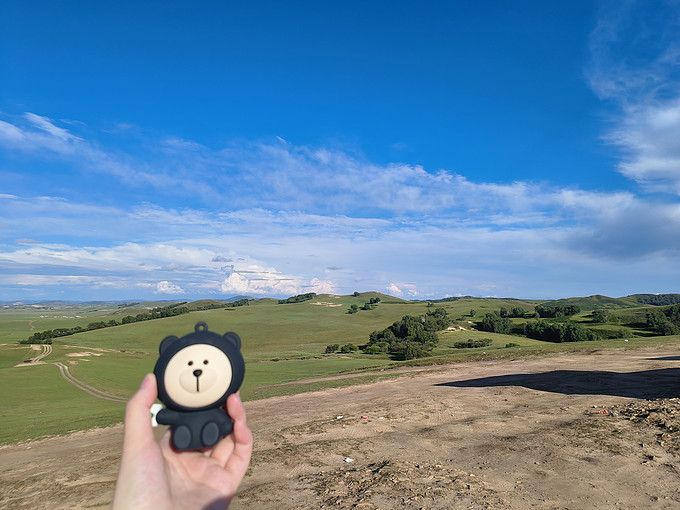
(210, 434)
(181, 437)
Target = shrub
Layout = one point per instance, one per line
(372, 349)
(600, 316)
(473, 344)
(332, 348)
(558, 332)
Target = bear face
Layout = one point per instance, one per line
(197, 375)
(199, 370)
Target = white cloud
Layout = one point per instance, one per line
(636, 64)
(166, 287)
(259, 281)
(407, 290)
(649, 136)
(49, 127)
(394, 290)
(274, 177)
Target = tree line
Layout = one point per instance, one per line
(552, 311)
(298, 299)
(46, 337)
(658, 299)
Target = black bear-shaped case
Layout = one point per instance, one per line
(195, 375)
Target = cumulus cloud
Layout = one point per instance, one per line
(259, 281)
(403, 290)
(166, 287)
(394, 290)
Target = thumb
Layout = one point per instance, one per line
(138, 428)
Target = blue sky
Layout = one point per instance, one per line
(182, 150)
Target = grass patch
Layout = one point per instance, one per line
(41, 404)
(13, 354)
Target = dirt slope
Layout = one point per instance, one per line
(572, 431)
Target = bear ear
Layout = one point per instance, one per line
(234, 339)
(166, 343)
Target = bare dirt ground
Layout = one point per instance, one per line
(587, 430)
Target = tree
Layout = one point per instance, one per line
(413, 350)
(600, 316)
(558, 332)
(411, 336)
(494, 323)
(659, 322)
(353, 309)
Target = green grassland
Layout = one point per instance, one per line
(283, 345)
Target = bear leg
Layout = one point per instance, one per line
(181, 437)
(210, 434)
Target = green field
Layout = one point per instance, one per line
(283, 345)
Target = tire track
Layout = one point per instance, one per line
(91, 390)
(47, 350)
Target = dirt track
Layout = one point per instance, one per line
(572, 431)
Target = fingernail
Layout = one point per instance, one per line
(145, 381)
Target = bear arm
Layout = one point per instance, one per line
(168, 417)
(225, 423)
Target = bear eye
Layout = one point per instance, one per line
(191, 363)
(205, 361)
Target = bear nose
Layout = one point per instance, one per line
(198, 372)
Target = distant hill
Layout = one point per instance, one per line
(635, 300)
(70, 305)
(588, 303)
(657, 299)
(596, 302)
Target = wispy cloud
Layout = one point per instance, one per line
(322, 184)
(43, 138)
(636, 65)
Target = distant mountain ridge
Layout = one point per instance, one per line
(598, 301)
(594, 302)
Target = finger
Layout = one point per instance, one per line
(138, 428)
(234, 451)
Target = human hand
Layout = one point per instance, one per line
(152, 475)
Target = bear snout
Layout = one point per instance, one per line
(198, 381)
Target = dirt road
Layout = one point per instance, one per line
(571, 431)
